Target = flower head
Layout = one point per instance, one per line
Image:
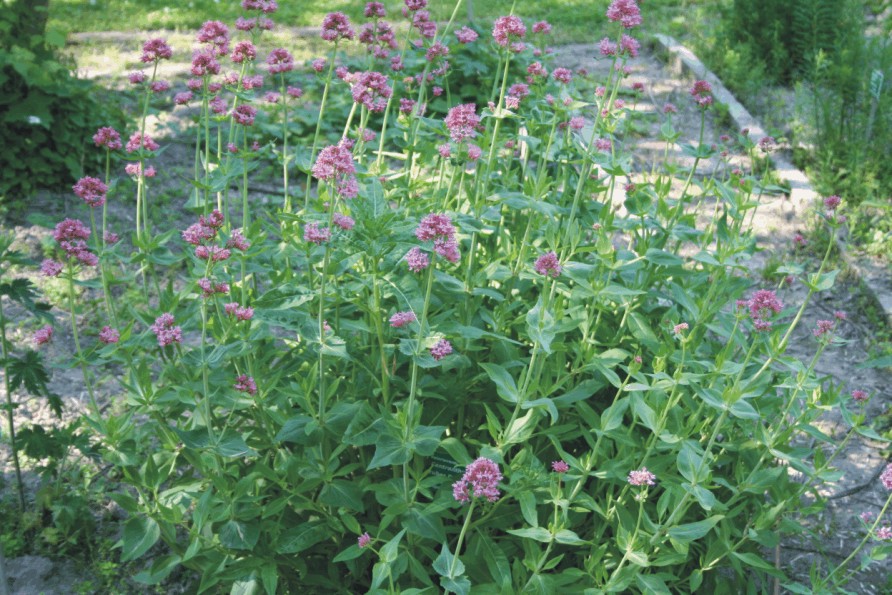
(462, 121)
(336, 26)
(418, 260)
(508, 29)
(548, 265)
(315, 234)
(642, 477)
(401, 319)
(434, 226)
(762, 305)
(245, 384)
(137, 140)
(466, 35)
(625, 12)
(50, 268)
(107, 137)
(91, 190)
(244, 51)
(365, 539)
(244, 114)
(886, 477)
(859, 396)
(335, 165)
(481, 480)
(559, 467)
(43, 335)
(165, 330)
(832, 202)
(155, 50)
(441, 349)
(109, 335)
(280, 60)
(371, 90)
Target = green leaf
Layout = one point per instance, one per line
(692, 531)
(424, 524)
(447, 565)
(302, 537)
(505, 386)
(231, 444)
(540, 326)
(351, 553)
(652, 584)
(160, 570)
(392, 450)
(238, 535)
(568, 537)
(527, 500)
(546, 403)
(269, 574)
(538, 533)
(341, 492)
(755, 561)
(460, 585)
(663, 258)
(140, 534)
(496, 561)
(389, 552)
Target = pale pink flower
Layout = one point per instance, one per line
(316, 235)
(280, 60)
(548, 265)
(462, 121)
(508, 29)
(401, 319)
(165, 330)
(365, 539)
(480, 480)
(109, 335)
(43, 335)
(336, 26)
(559, 467)
(418, 260)
(642, 477)
(245, 384)
(107, 137)
(466, 35)
(625, 12)
(859, 396)
(91, 191)
(155, 50)
(50, 268)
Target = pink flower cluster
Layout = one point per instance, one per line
(559, 467)
(401, 319)
(701, 93)
(244, 51)
(886, 477)
(107, 137)
(625, 12)
(371, 90)
(379, 38)
(109, 335)
(762, 306)
(244, 114)
(417, 260)
(548, 265)
(91, 190)
(462, 121)
(439, 228)
(209, 288)
(466, 35)
(364, 540)
(43, 335)
(240, 313)
(72, 235)
(155, 50)
(245, 384)
(441, 349)
(315, 234)
(642, 477)
(481, 480)
(335, 165)
(215, 34)
(509, 30)
(165, 330)
(336, 26)
(279, 61)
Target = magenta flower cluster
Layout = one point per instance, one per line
(548, 265)
(481, 480)
(72, 235)
(642, 477)
(762, 306)
(335, 165)
(166, 331)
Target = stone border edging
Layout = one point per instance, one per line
(681, 59)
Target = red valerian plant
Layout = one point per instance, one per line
(457, 278)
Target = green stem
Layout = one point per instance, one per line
(9, 412)
(461, 538)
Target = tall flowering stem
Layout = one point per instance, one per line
(284, 96)
(10, 408)
(413, 383)
(315, 145)
(77, 344)
(461, 537)
(870, 533)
